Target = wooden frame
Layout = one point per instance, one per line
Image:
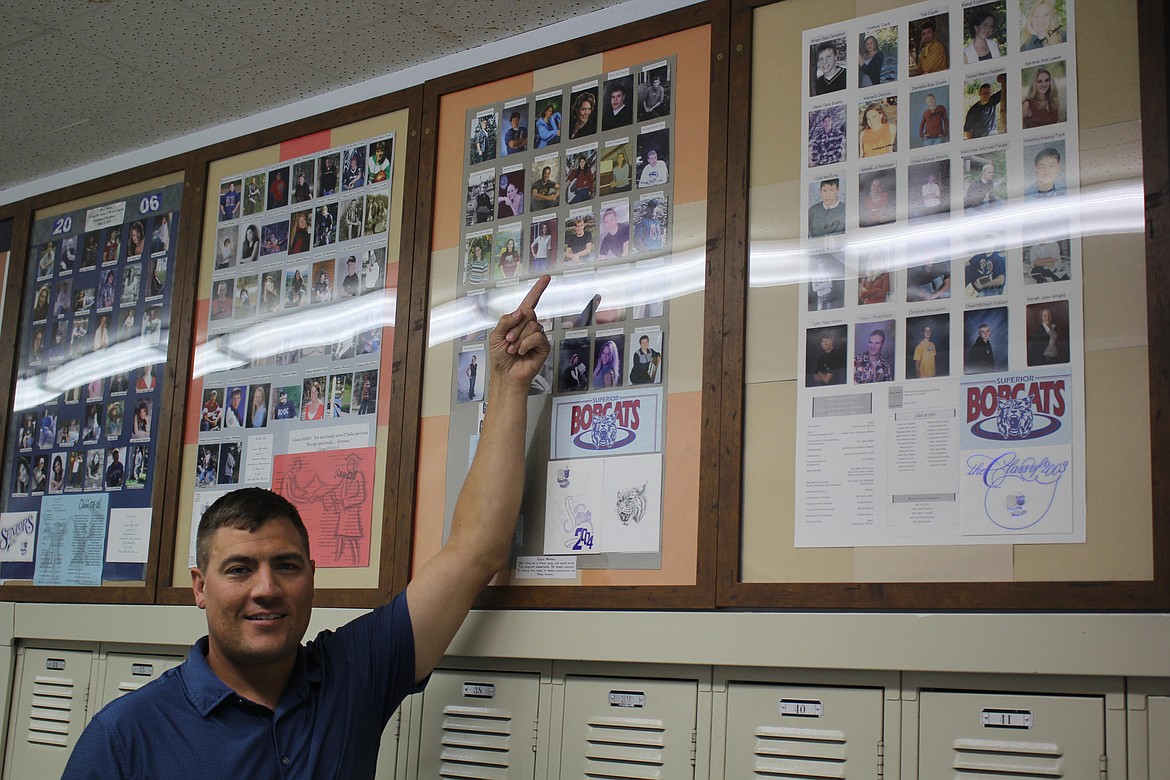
(392, 569)
(714, 14)
(111, 594)
(1071, 596)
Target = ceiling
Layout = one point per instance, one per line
(85, 80)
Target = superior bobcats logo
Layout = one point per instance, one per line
(607, 425)
(1011, 411)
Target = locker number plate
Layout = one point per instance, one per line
(142, 670)
(801, 708)
(627, 699)
(479, 690)
(1007, 719)
(55, 664)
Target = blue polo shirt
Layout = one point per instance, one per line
(188, 724)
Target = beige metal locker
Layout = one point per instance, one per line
(619, 728)
(1158, 733)
(393, 735)
(125, 672)
(974, 735)
(50, 710)
(479, 724)
(803, 732)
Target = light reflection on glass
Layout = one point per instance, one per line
(311, 327)
(120, 358)
(306, 328)
(648, 282)
(1117, 207)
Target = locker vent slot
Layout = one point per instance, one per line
(51, 711)
(1007, 759)
(799, 753)
(477, 743)
(625, 748)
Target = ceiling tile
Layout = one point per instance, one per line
(82, 80)
(13, 29)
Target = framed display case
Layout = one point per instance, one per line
(93, 296)
(943, 391)
(599, 162)
(293, 381)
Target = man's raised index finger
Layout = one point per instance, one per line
(533, 296)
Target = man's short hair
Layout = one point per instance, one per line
(831, 183)
(515, 115)
(1047, 151)
(830, 46)
(609, 211)
(246, 509)
(879, 332)
(927, 24)
(985, 85)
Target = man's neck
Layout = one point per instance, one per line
(263, 683)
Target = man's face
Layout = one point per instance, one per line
(927, 35)
(1047, 170)
(652, 157)
(829, 195)
(985, 94)
(579, 226)
(876, 340)
(827, 60)
(985, 333)
(827, 123)
(927, 332)
(988, 172)
(827, 344)
(515, 122)
(544, 174)
(257, 589)
(617, 99)
(931, 102)
(610, 223)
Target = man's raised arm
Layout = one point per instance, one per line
(446, 586)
